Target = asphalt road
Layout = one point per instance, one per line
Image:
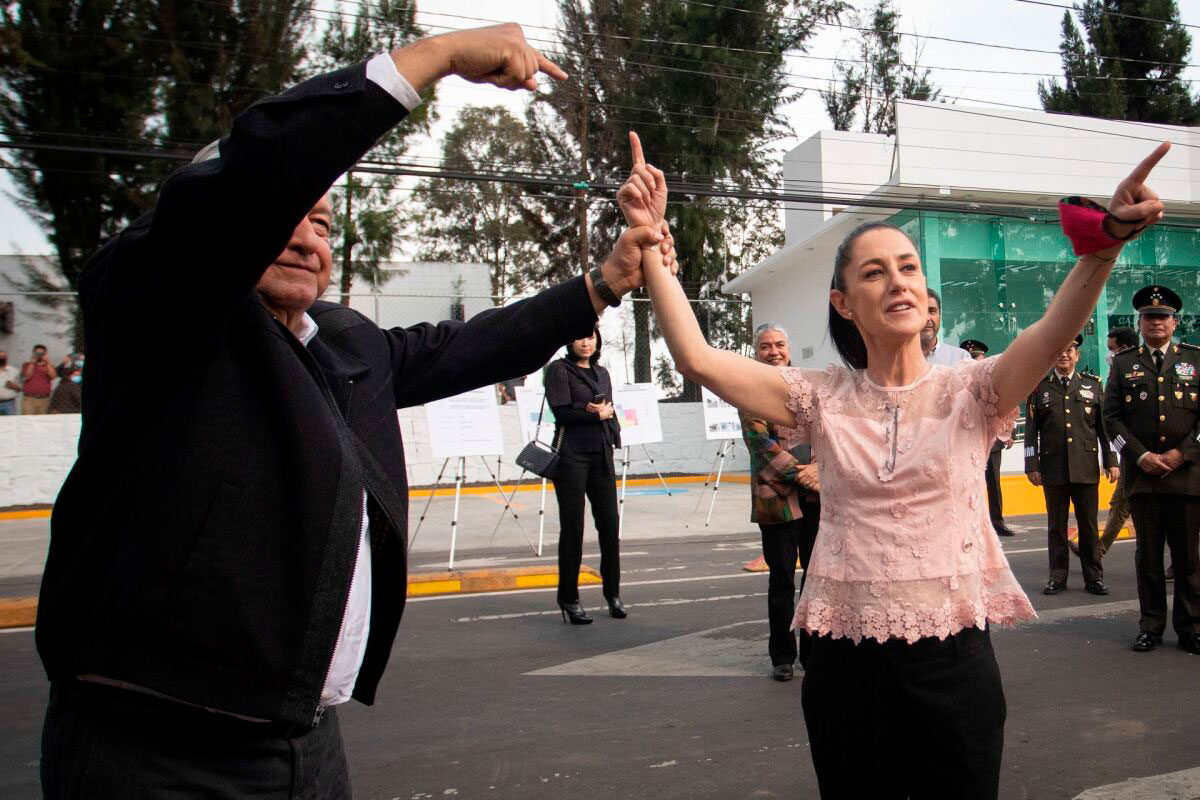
(493, 696)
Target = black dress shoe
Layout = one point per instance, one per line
(1145, 642)
(1054, 587)
(575, 613)
(1096, 587)
(782, 672)
(1190, 642)
(1004, 530)
(616, 609)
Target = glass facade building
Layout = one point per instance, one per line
(997, 275)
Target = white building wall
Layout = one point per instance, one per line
(422, 291)
(840, 162)
(34, 322)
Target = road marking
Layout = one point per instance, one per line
(600, 609)
(16, 630)
(499, 561)
(654, 582)
(1167, 786)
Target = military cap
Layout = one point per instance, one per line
(973, 346)
(1157, 300)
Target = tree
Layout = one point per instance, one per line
(703, 85)
(366, 224)
(1129, 68)
(870, 85)
(480, 221)
(74, 89)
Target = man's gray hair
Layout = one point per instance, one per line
(769, 326)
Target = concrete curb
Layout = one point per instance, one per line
(21, 612)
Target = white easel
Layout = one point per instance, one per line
(719, 463)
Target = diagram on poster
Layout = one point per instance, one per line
(465, 425)
(529, 405)
(637, 411)
(720, 419)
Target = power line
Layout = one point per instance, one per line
(1113, 14)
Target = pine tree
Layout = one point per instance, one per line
(77, 75)
(869, 85)
(1130, 66)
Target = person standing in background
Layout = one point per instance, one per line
(1064, 432)
(37, 379)
(937, 352)
(1118, 506)
(785, 503)
(9, 388)
(991, 473)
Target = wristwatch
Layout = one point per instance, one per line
(603, 289)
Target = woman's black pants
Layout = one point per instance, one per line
(899, 721)
(590, 475)
(782, 544)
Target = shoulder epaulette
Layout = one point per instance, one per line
(1125, 350)
(1189, 346)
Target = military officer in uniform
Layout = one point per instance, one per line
(991, 472)
(1064, 438)
(1152, 412)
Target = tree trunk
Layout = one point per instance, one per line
(347, 278)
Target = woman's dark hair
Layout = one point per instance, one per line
(595, 353)
(1125, 337)
(846, 338)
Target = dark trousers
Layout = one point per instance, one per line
(590, 475)
(1118, 513)
(1086, 499)
(895, 720)
(991, 476)
(782, 544)
(99, 742)
(1174, 520)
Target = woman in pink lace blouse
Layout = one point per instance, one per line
(902, 695)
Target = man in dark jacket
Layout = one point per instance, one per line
(228, 565)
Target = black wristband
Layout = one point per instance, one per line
(603, 289)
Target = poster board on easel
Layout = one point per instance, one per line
(529, 405)
(467, 424)
(720, 418)
(636, 405)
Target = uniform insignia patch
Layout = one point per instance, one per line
(1128, 399)
(1045, 397)
(1178, 395)
(1185, 370)
(1142, 396)
(1086, 394)
(1193, 395)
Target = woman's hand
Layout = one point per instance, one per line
(604, 410)
(643, 196)
(808, 476)
(1134, 204)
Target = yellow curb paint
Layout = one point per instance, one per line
(434, 587)
(33, 513)
(532, 487)
(18, 612)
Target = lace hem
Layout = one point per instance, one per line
(911, 610)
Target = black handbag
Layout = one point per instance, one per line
(538, 457)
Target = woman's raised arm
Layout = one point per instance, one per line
(1134, 206)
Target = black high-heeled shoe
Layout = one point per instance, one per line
(616, 609)
(575, 613)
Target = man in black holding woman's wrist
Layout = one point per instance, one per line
(229, 565)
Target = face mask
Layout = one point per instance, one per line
(79, 363)
(76, 379)
(1108, 358)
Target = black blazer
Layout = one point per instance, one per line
(569, 388)
(203, 544)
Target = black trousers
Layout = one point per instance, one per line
(1086, 499)
(1173, 520)
(782, 544)
(99, 742)
(991, 476)
(895, 720)
(589, 475)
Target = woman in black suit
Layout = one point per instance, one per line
(579, 391)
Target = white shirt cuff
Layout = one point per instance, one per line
(381, 71)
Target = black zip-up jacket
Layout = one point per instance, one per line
(203, 544)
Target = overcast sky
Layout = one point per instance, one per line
(1003, 22)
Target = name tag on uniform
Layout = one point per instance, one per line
(1132, 376)
(1185, 370)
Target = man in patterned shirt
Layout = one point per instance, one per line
(787, 507)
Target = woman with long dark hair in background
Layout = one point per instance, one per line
(902, 694)
(579, 392)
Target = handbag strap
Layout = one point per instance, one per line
(537, 432)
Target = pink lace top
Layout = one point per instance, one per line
(905, 548)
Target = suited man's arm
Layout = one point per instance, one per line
(1126, 443)
(1032, 464)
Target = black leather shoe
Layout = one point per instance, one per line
(1096, 587)
(616, 609)
(1004, 530)
(1054, 587)
(575, 613)
(1190, 642)
(1145, 642)
(782, 672)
